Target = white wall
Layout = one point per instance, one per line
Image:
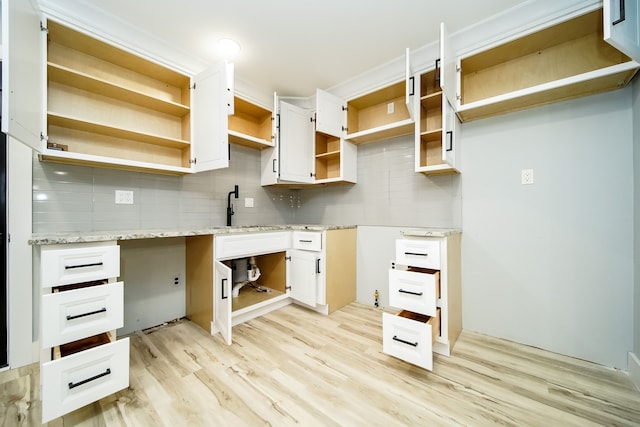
(634, 359)
(550, 264)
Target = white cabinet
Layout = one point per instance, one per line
(424, 283)
(549, 63)
(303, 276)
(22, 81)
(251, 125)
(77, 99)
(621, 25)
(81, 307)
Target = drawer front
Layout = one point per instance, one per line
(409, 340)
(307, 240)
(79, 379)
(413, 291)
(71, 315)
(243, 245)
(64, 266)
(418, 253)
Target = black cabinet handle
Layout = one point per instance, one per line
(449, 140)
(305, 241)
(413, 86)
(274, 165)
(622, 13)
(222, 289)
(78, 384)
(72, 267)
(438, 70)
(318, 266)
(412, 344)
(415, 253)
(91, 313)
(402, 291)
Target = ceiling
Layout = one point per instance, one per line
(296, 46)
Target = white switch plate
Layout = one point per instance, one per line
(527, 176)
(124, 197)
(248, 202)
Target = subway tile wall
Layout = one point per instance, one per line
(388, 192)
(79, 198)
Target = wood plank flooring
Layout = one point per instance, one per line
(296, 367)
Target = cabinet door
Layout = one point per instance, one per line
(450, 135)
(22, 72)
(296, 144)
(621, 20)
(302, 275)
(269, 156)
(222, 301)
(330, 116)
(410, 90)
(212, 102)
(448, 73)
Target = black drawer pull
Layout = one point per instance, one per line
(412, 344)
(72, 267)
(415, 253)
(409, 292)
(91, 313)
(78, 384)
(305, 241)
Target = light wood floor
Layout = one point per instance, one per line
(294, 366)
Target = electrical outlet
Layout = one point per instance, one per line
(124, 197)
(176, 280)
(390, 108)
(248, 202)
(527, 176)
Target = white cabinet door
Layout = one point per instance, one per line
(621, 20)
(296, 144)
(330, 115)
(302, 275)
(22, 72)
(269, 156)
(222, 300)
(410, 87)
(448, 73)
(212, 102)
(450, 135)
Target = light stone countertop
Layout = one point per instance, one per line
(431, 232)
(102, 236)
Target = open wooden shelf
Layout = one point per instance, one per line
(250, 125)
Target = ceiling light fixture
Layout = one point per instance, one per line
(228, 47)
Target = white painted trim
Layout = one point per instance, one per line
(633, 367)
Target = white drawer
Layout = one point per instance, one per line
(418, 253)
(71, 315)
(248, 244)
(410, 337)
(81, 378)
(307, 240)
(67, 264)
(414, 291)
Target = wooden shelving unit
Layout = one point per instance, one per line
(251, 125)
(327, 155)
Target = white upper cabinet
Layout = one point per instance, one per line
(295, 144)
(548, 63)
(621, 26)
(384, 113)
(330, 114)
(210, 119)
(22, 72)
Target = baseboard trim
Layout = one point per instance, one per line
(634, 370)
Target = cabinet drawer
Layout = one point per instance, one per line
(414, 291)
(81, 378)
(410, 337)
(307, 240)
(244, 245)
(64, 265)
(418, 253)
(71, 315)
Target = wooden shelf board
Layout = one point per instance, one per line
(442, 169)
(392, 130)
(433, 100)
(78, 124)
(248, 140)
(329, 155)
(431, 135)
(73, 78)
(110, 163)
